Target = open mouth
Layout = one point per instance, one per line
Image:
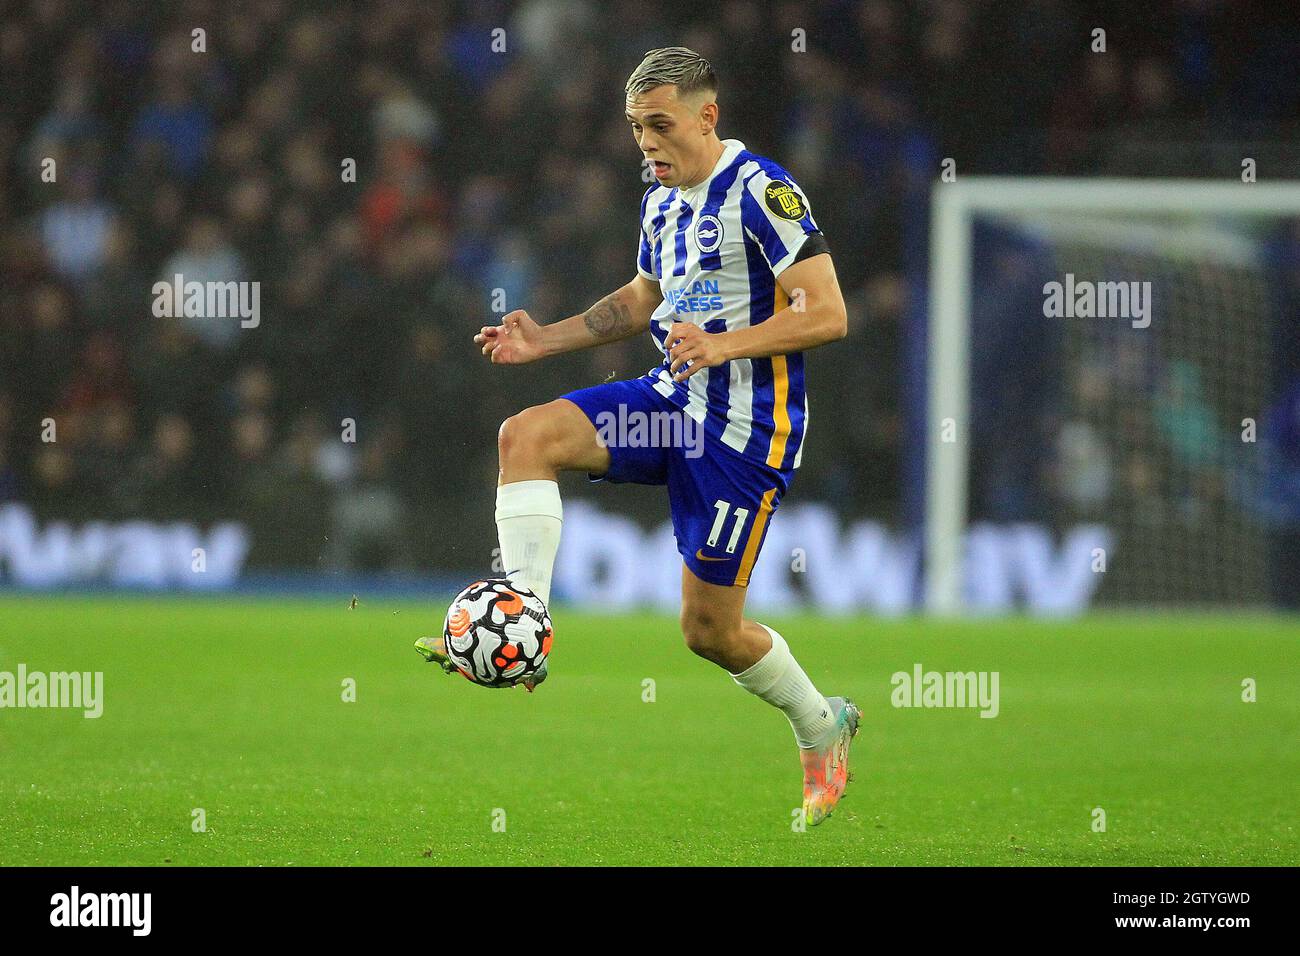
(660, 169)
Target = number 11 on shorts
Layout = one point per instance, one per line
(723, 507)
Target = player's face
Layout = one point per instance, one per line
(673, 134)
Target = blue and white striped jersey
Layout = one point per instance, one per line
(716, 249)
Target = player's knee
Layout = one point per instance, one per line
(707, 634)
(523, 437)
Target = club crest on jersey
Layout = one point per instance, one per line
(708, 233)
(784, 201)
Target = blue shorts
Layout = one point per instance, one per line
(720, 500)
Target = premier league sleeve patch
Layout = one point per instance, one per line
(784, 201)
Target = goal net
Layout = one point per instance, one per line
(1101, 355)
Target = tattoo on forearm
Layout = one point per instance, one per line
(609, 318)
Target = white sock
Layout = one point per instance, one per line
(529, 515)
(778, 679)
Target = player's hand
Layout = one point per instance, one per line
(692, 344)
(518, 339)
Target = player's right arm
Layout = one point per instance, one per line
(622, 314)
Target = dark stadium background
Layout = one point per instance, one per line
(479, 171)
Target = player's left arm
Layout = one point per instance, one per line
(814, 316)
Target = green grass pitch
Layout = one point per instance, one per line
(236, 707)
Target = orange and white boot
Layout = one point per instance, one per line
(826, 766)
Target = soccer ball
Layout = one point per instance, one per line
(497, 633)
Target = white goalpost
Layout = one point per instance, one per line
(1160, 222)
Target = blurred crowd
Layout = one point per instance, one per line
(493, 170)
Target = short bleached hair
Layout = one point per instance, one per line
(676, 66)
